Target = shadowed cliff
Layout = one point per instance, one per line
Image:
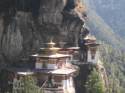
(26, 24)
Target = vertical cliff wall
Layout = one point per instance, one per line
(26, 24)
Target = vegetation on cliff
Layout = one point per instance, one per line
(114, 62)
(94, 84)
(27, 84)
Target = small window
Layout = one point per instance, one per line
(44, 64)
(93, 57)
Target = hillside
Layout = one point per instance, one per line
(112, 11)
(114, 62)
(99, 24)
(99, 27)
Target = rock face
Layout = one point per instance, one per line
(80, 80)
(26, 24)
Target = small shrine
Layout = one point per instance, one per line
(92, 47)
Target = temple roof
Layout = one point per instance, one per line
(92, 44)
(73, 48)
(25, 73)
(53, 56)
(63, 71)
(52, 48)
(90, 37)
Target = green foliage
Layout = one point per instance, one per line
(94, 83)
(28, 84)
(114, 62)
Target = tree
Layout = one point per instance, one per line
(26, 84)
(94, 83)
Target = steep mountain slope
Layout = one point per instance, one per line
(101, 29)
(113, 58)
(114, 62)
(112, 11)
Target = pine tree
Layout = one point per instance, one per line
(94, 83)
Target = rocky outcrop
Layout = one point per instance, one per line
(80, 80)
(51, 13)
(26, 24)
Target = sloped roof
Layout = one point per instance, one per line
(90, 37)
(57, 55)
(63, 71)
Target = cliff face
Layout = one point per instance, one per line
(26, 24)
